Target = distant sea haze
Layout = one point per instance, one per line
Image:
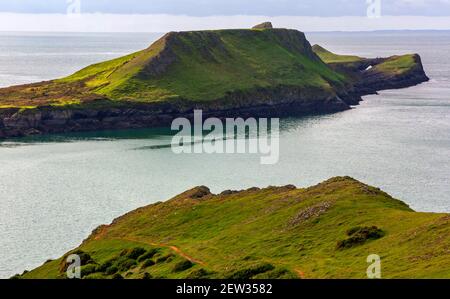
(55, 190)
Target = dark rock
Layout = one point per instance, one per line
(200, 192)
(290, 187)
(311, 212)
(360, 235)
(265, 25)
(228, 192)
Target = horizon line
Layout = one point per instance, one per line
(100, 22)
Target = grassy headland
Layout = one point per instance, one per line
(325, 231)
(196, 66)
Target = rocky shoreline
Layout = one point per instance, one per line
(48, 120)
(280, 102)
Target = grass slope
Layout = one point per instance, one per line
(397, 64)
(325, 231)
(392, 66)
(196, 66)
(330, 57)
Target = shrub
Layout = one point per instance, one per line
(166, 258)
(182, 266)
(360, 235)
(280, 273)
(88, 269)
(250, 272)
(111, 270)
(104, 267)
(148, 255)
(199, 274)
(85, 259)
(95, 276)
(147, 276)
(148, 263)
(135, 253)
(126, 264)
(117, 276)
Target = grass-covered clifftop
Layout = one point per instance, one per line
(325, 231)
(330, 57)
(195, 66)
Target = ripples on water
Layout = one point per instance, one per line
(54, 190)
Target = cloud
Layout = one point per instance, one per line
(165, 23)
(321, 8)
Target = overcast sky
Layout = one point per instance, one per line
(234, 7)
(165, 15)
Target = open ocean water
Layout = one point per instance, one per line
(55, 190)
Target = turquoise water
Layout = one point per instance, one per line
(55, 190)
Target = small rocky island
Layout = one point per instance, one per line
(259, 72)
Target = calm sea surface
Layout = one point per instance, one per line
(55, 190)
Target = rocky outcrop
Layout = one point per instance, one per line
(369, 78)
(163, 60)
(265, 25)
(373, 80)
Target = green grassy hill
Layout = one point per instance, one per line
(195, 66)
(325, 231)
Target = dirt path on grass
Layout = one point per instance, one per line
(300, 273)
(175, 249)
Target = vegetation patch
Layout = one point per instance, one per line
(148, 255)
(88, 269)
(277, 273)
(148, 263)
(248, 273)
(85, 259)
(117, 276)
(126, 264)
(147, 275)
(199, 274)
(360, 235)
(133, 253)
(329, 57)
(182, 266)
(166, 258)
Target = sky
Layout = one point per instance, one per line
(167, 15)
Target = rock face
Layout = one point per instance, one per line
(278, 102)
(372, 80)
(265, 25)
